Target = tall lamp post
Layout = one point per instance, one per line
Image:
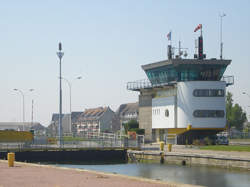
(32, 106)
(21, 92)
(221, 43)
(70, 88)
(60, 55)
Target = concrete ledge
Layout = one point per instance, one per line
(194, 159)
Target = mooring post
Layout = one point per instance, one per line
(162, 152)
(11, 159)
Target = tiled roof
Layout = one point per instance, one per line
(93, 113)
(127, 108)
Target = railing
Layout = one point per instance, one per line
(229, 79)
(137, 85)
(146, 84)
(86, 140)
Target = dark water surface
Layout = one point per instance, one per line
(183, 174)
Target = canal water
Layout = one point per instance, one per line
(206, 176)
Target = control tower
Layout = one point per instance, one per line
(183, 99)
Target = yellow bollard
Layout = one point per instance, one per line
(162, 146)
(11, 159)
(169, 147)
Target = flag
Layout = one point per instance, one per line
(169, 35)
(198, 27)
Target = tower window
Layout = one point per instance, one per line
(209, 93)
(209, 113)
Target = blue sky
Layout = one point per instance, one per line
(106, 42)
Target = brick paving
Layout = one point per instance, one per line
(33, 175)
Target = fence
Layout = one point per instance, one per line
(85, 140)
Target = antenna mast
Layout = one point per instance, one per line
(221, 43)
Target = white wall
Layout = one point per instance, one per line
(187, 103)
(159, 105)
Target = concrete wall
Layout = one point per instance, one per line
(69, 156)
(145, 113)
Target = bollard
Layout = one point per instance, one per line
(169, 147)
(162, 146)
(11, 159)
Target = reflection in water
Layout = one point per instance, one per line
(183, 174)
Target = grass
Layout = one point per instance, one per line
(70, 138)
(239, 140)
(226, 148)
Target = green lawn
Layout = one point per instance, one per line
(70, 138)
(239, 140)
(226, 148)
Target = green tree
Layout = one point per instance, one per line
(133, 125)
(235, 114)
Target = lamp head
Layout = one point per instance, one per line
(60, 46)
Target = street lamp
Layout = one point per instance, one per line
(70, 87)
(21, 92)
(221, 44)
(32, 104)
(60, 55)
(23, 105)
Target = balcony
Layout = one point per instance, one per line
(229, 79)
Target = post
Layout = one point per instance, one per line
(60, 55)
(221, 43)
(70, 103)
(11, 159)
(32, 103)
(23, 105)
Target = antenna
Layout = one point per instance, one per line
(221, 43)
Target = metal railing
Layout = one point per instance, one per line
(85, 141)
(146, 84)
(229, 79)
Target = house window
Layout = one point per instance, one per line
(209, 113)
(209, 93)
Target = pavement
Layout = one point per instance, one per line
(182, 149)
(35, 175)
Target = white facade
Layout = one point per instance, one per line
(160, 106)
(183, 103)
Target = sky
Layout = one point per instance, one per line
(106, 42)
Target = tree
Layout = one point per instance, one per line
(235, 114)
(133, 125)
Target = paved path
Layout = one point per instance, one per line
(182, 149)
(33, 175)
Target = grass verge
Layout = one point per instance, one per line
(226, 148)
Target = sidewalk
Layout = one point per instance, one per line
(34, 175)
(182, 149)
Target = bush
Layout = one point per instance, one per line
(138, 131)
(208, 141)
(132, 124)
(196, 142)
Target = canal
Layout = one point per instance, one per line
(206, 176)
